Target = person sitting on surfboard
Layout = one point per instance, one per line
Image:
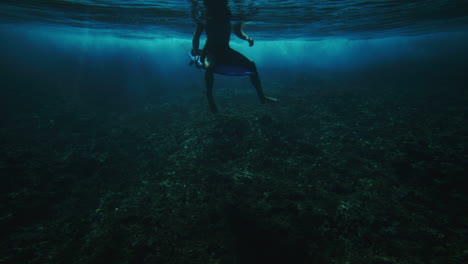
(217, 56)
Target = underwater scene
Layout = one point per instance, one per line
(233, 132)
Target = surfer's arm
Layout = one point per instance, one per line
(239, 32)
(196, 39)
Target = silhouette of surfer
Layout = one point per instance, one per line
(217, 56)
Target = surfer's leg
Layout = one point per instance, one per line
(207, 58)
(249, 67)
(255, 79)
(209, 89)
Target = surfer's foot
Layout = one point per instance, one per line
(268, 99)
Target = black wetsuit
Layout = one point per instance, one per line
(223, 59)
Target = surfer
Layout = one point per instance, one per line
(217, 56)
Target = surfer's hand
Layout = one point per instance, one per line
(251, 41)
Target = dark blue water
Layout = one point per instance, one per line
(110, 154)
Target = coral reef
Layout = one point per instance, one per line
(346, 174)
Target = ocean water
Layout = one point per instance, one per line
(110, 154)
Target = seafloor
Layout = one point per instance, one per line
(363, 170)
